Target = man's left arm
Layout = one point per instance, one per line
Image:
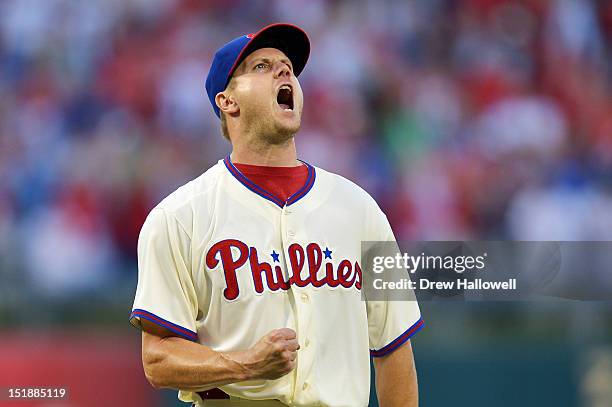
(396, 378)
(388, 318)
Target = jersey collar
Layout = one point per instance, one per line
(267, 195)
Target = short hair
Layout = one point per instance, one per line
(224, 129)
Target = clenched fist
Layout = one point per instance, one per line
(273, 356)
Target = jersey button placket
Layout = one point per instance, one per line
(286, 241)
(285, 221)
(305, 354)
(303, 312)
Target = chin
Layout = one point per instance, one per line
(289, 129)
(281, 135)
(286, 129)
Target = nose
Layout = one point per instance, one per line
(281, 70)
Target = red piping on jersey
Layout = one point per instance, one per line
(399, 341)
(266, 194)
(177, 329)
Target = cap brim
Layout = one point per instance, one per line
(290, 39)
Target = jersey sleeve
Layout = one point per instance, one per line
(165, 294)
(390, 323)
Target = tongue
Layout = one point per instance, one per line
(284, 106)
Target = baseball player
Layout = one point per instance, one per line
(249, 283)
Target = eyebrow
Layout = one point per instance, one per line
(268, 61)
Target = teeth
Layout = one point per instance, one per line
(286, 87)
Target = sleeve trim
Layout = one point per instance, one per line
(177, 329)
(399, 341)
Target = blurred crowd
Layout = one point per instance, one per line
(475, 119)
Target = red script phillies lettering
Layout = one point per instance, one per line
(233, 254)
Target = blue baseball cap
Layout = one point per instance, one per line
(288, 38)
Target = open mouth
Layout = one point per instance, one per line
(285, 97)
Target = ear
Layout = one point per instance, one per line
(226, 102)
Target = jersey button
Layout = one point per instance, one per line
(291, 233)
(306, 343)
(305, 386)
(304, 297)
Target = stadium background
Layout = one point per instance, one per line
(479, 119)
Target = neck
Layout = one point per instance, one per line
(270, 155)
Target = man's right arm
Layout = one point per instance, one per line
(173, 362)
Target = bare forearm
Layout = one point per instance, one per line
(396, 379)
(172, 362)
(177, 363)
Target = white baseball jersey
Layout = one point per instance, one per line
(223, 262)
